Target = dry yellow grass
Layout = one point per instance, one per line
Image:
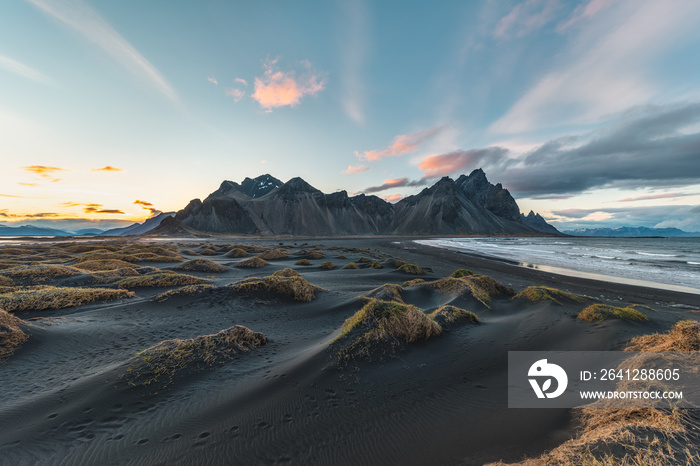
(201, 265)
(449, 314)
(412, 269)
(112, 276)
(328, 265)
(305, 262)
(459, 273)
(16, 251)
(40, 273)
(208, 252)
(684, 336)
(6, 281)
(43, 298)
(387, 292)
(600, 312)
(189, 290)
(286, 273)
(341, 257)
(536, 294)
(481, 287)
(351, 265)
(274, 254)
(292, 286)
(415, 281)
(97, 265)
(86, 248)
(160, 280)
(159, 364)
(11, 336)
(236, 253)
(376, 265)
(315, 254)
(254, 262)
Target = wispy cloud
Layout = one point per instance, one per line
(583, 12)
(401, 145)
(23, 70)
(213, 81)
(5, 214)
(148, 206)
(86, 21)
(42, 170)
(393, 197)
(394, 183)
(277, 88)
(97, 209)
(435, 166)
(355, 44)
(526, 17)
(658, 196)
(241, 81)
(107, 168)
(355, 170)
(237, 94)
(605, 66)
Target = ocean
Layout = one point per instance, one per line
(667, 263)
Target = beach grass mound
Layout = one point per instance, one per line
(600, 312)
(294, 287)
(17, 251)
(460, 273)
(6, 281)
(304, 262)
(161, 363)
(188, 290)
(684, 336)
(415, 281)
(449, 315)
(286, 273)
(328, 265)
(153, 257)
(364, 260)
(160, 280)
(99, 265)
(341, 257)
(41, 272)
(396, 263)
(381, 327)
(412, 269)
(376, 265)
(236, 253)
(201, 265)
(351, 265)
(208, 252)
(11, 335)
(112, 276)
(387, 292)
(274, 254)
(481, 287)
(315, 254)
(254, 262)
(43, 298)
(536, 294)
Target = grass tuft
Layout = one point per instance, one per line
(254, 262)
(41, 273)
(341, 257)
(449, 314)
(684, 336)
(600, 312)
(236, 253)
(286, 273)
(303, 262)
(482, 287)
(11, 336)
(387, 292)
(415, 281)
(460, 273)
(44, 298)
(6, 281)
(328, 265)
(99, 265)
(536, 294)
(160, 280)
(364, 260)
(412, 269)
(295, 287)
(351, 265)
(189, 290)
(201, 265)
(376, 265)
(315, 254)
(274, 254)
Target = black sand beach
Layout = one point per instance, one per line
(70, 395)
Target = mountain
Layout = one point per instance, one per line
(468, 205)
(139, 228)
(536, 222)
(631, 232)
(28, 230)
(89, 232)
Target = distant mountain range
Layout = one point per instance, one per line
(29, 230)
(139, 228)
(631, 232)
(265, 205)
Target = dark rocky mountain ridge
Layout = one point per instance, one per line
(264, 205)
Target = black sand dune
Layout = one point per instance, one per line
(67, 396)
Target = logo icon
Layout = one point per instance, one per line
(543, 369)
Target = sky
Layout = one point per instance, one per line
(587, 112)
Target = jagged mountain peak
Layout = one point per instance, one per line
(260, 185)
(298, 184)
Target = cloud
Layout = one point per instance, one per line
(107, 168)
(393, 197)
(435, 166)
(23, 70)
(582, 13)
(5, 214)
(86, 21)
(31, 185)
(237, 94)
(526, 17)
(148, 206)
(355, 39)
(666, 216)
(657, 196)
(97, 209)
(241, 81)
(604, 68)
(394, 183)
(42, 170)
(355, 170)
(279, 89)
(213, 81)
(401, 145)
(11, 195)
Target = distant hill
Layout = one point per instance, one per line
(28, 230)
(139, 228)
(536, 221)
(631, 232)
(264, 205)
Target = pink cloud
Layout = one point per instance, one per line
(401, 145)
(657, 196)
(355, 170)
(279, 89)
(241, 81)
(393, 197)
(526, 17)
(237, 94)
(213, 81)
(436, 166)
